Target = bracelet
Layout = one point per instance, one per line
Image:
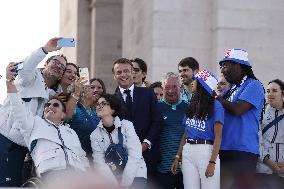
(177, 157)
(76, 97)
(212, 162)
(266, 158)
(44, 50)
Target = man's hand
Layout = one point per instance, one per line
(145, 146)
(10, 77)
(51, 45)
(10, 72)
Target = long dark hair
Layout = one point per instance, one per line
(247, 70)
(101, 82)
(201, 105)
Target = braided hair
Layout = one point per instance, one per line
(247, 70)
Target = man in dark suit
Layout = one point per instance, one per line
(141, 108)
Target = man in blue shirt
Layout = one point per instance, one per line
(173, 110)
(243, 104)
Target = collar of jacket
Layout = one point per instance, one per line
(60, 124)
(117, 123)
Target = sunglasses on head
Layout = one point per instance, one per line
(55, 104)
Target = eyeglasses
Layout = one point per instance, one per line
(102, 104)
(136, 69)
(55, 105)
(58, 64)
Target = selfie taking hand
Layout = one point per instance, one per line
(11, 72)
(51, 45)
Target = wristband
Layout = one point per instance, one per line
(213, 162)
(44, 50)
(266, 158)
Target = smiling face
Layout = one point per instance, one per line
(171, 90)
(54, 111)
(103, 108)
(69, 75)
(56, 67)
(122, 73)
(185, 74)
(96, 90)
(274, 95)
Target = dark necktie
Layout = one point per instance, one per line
(128, 102)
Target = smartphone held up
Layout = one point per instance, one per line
(84, 73)
(18, 67)
(66, 42)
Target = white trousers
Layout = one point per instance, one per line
(195, 158)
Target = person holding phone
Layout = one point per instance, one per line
(35, 87)
(53, 145)
(81, 113)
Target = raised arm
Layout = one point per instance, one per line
(22, 117)
(74, 98)
(27, 74)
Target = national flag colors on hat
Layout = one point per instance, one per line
(207, 80)
(236, 55)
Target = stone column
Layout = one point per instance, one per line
(97, 27)
(76, 22)
(106, 39)
(162, 32)
(254, 26)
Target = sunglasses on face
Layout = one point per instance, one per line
(58, 64)
(55, 105)
(102, 104)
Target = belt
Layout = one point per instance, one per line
(192, 141)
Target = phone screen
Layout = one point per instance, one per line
(84, 73)
(66, 42)
(20, 66)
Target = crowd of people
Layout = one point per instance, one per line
(189, 130)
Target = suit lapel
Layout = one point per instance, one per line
(118, 93)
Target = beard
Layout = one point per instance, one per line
(54, 80)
